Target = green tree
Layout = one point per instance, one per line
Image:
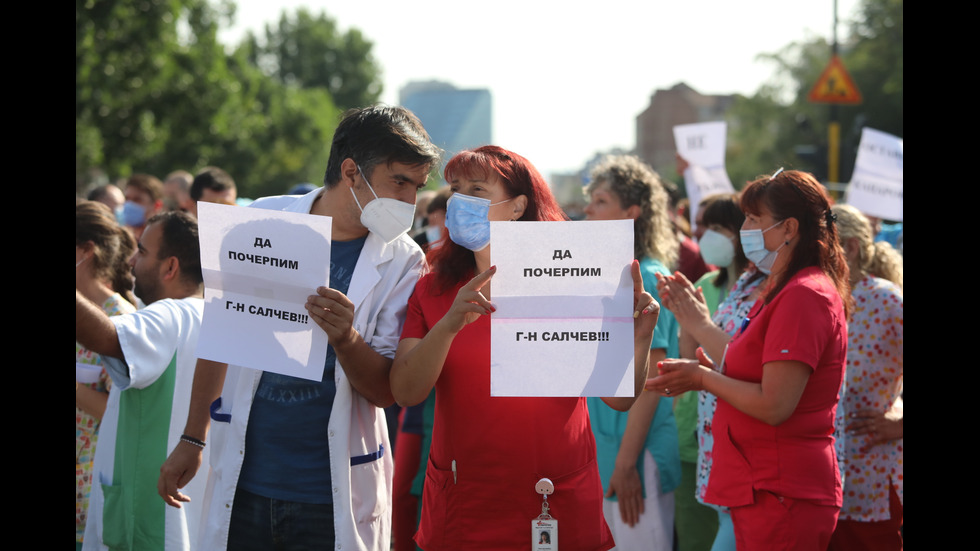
(146, 94)
(778, 126)
(285, 139)
(876, 61)
(156, 91)
(311, 51)
(123, 55)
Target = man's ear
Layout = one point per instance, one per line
(633, 212)
(348, 172)
(170, 269)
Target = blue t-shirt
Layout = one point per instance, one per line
(287, 454)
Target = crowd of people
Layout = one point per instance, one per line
(767, 387)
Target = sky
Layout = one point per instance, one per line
(569, 78)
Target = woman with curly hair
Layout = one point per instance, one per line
(638, 452)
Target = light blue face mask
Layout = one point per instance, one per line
(754, 247)
(133, 214)
(716, 249)
(468, 220)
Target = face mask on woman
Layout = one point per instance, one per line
(468, 220)
(754, 247)
(717, 249)
(386, 217)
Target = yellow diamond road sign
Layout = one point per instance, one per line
(835, 85)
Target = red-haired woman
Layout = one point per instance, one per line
(774, 458)
(488, 453)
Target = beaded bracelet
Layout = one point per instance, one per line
(192, 440)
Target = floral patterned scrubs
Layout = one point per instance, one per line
(87, 426)
(873, 381)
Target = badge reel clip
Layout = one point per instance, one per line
(544, 529)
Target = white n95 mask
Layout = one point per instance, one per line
(387, 218)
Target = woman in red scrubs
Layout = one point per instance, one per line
(774, 461)
(487, 452)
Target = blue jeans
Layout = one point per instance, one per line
(265, 524)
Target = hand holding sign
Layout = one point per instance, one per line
(567, 310)
(259, 267)
(334, 313)
(701, 159)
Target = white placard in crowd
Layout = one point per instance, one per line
(877, 183)
(259, 268)
(702, 145)
(564, 319)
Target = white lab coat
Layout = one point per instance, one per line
(383, 279)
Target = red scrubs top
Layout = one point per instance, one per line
(502, 447)
(805, 322)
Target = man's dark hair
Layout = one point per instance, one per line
(147, 183)
(379, 134)
(213, 178)
(179, 239)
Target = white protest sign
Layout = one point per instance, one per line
(259, 267)
(878, 181)
(564, 319)
(702, 145)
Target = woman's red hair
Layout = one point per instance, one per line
(451, 263)
(796, 194)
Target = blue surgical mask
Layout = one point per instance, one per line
(754, 247)
(468, 220)
(133, 214)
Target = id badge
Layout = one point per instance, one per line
(544, 529)
(544, 535)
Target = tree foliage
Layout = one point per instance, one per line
(155, 91)
(778, 126)
(311, 51)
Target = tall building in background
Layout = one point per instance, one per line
(455, 119)
(681, 104)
